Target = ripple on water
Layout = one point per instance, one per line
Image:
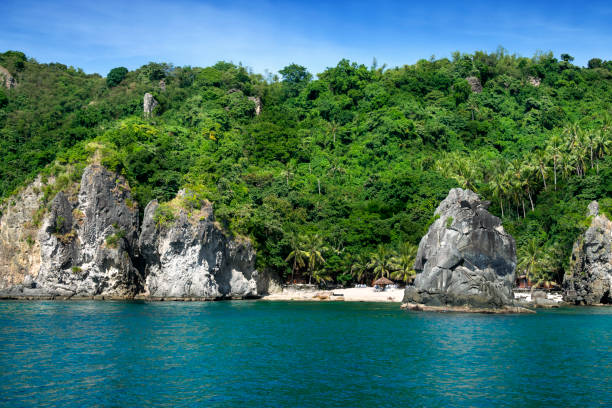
(275, 354)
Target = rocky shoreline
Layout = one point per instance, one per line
(62, 239)
(83, 241)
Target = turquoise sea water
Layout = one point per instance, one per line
(278, 354)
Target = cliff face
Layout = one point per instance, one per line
(190, 256)
(465, 259)
(589, 279)
(19, 248)
(86, 243)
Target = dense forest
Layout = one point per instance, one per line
(338, 176)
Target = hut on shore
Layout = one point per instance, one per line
(382, 282)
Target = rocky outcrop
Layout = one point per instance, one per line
(149, 104)
(475, 84)
(589, 278)
(187, 254)
(466, 259)
(19, 246)
(85, 246)
(85, 243)
(534, 81)
(257, 101)
(6, 79)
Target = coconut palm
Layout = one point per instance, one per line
(403, 263)
(533, 262)
(381, 262)
(572, 133)
(528, 173)
(540, 160)
(602, 144)
(321, 276)
(359, 268)
(298, 255)
(499, 189)
(555, 152)
(314, 248)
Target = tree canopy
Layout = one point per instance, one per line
(338, 174)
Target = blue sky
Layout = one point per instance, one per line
(268, 35)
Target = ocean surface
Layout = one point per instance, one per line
(282, 354)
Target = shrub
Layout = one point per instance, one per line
(115, 76)
(163, 215)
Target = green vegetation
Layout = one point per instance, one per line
(115, 76)
(112, 240)
(340, 172)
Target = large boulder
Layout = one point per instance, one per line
(188, 255)
(149, 103)
(588, 280)
(466, 259)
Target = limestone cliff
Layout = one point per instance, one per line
(86, 242)
(19, 248)
(84, 246)
(466, 259)
(188, 255)
(589, 278)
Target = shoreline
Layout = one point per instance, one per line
(367, 294)
(343, 295)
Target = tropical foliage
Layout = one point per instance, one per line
(343, 170)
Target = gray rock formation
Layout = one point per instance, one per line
(474, 84)
(149, 104)
(85, 243)
(6, 79)
(534, 81)
(19, 248)
(466, 259)
(589, 278)
(188, 255)
(257, 101)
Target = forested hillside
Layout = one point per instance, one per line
(339, 175)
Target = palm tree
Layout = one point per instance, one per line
(554, 151)
(321, 276)
(528, 172)
(314, 247)
(288, 171)
(498, 187)
(461, 168)
(602, 144)
(359, 268)
(540, 159)
(572, 133)
(380, 262)
(533, 262)
(404, 262)
(297, 254)
(589, 139)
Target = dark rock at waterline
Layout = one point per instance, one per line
(465, 259)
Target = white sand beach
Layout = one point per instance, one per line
(348, 295)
